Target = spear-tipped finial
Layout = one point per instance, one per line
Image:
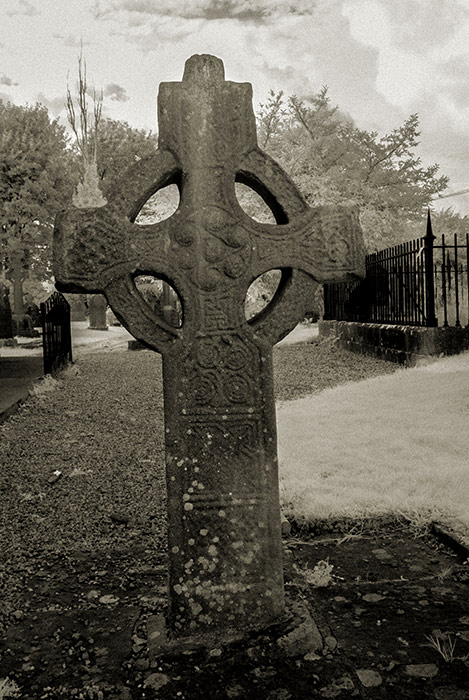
(429, 225)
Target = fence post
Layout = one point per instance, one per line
(45, 338)
(56, 332)
(430, 318)
(327, 315)
(467, 276)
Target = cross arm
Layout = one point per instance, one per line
(310, 245)
(323, 245)
(325, 242)
(95, 247)
(102, 250)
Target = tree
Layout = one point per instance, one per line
(332, 161)
(105, 148)
(447, 221)
(118, 147)
(85, 127)
(35, 182)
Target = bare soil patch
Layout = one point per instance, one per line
(80, 627)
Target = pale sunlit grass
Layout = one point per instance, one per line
(384, 446)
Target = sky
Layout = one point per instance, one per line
(382, 60)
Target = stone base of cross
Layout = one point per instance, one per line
(224, 538)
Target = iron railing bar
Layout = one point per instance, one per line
(467, 276)
(456, 279)
(443, 281)
(403, 282)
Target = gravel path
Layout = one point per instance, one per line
(101, 427)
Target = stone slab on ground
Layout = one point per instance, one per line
(17, 376)
(80, 624)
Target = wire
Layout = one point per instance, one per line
(452, 194)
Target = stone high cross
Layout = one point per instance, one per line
(225, 557)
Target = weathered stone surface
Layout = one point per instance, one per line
(78, 307)
(225, 558)
(369, 678)
(373, 597)
(109, 599)
(156, 681)
(330, 643)
(97, 306)
(304, 638)
(421, 670)
(336, 688)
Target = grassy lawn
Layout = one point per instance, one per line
(387, 445)
(357, 437)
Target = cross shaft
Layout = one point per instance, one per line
(225, 564)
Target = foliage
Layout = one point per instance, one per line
(85, 128)
(119, 146)
(443, 644)
(85, 125)
(36, 291)
(106, 148)
(261, 292)
(9, 689)
(448, 222)
(332, 161)
(318, 577)
(35, 182)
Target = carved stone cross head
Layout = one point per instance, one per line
(209, 249)
(225, 568)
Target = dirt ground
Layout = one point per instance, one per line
(80, 472)
(83, 627)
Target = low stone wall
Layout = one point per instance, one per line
(406, 345)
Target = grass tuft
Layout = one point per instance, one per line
(443, 644)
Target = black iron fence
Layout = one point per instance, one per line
(56, 332)
(417, 283)
(451, 279)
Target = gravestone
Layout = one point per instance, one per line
(6, 324)
(97, 306)
(169, 305)
(225, 557)
(78, 307)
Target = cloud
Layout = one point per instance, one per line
(72, 41)
(5, 80)
(417, 47)
(55, 105)
(420, 56)
(150, 36)
(241, 10)
(115, 92)
(381, 60)
(24, 8)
